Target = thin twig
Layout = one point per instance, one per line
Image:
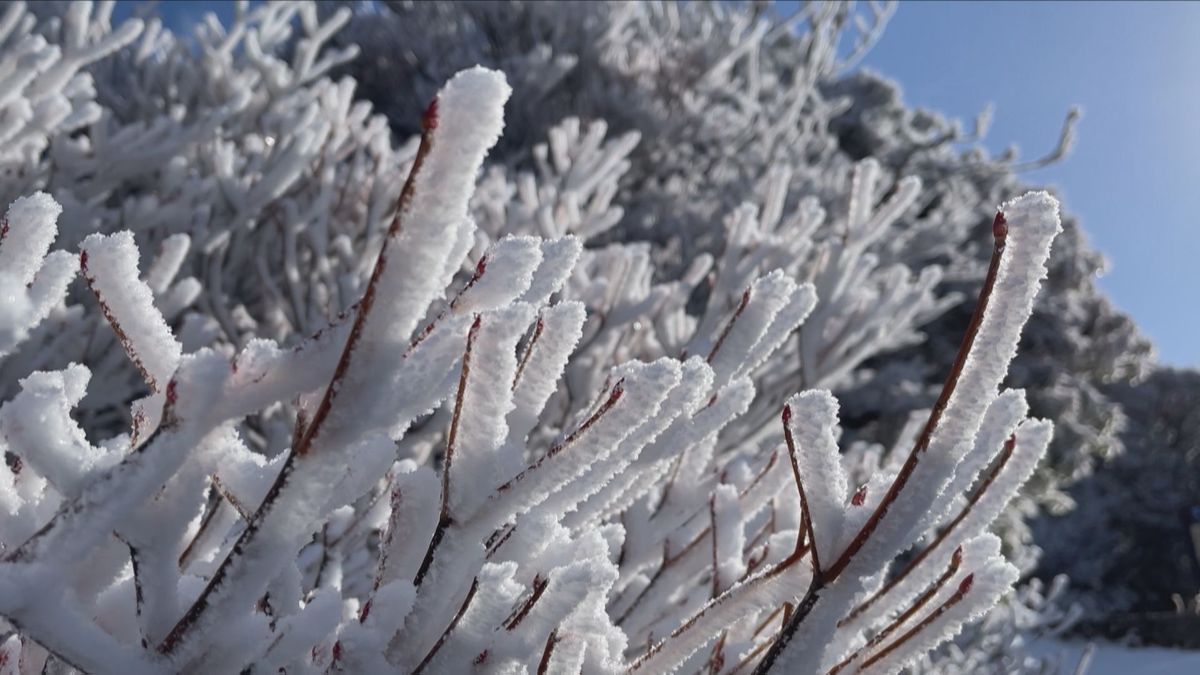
(963, 589)
(729, 325)
(368, 300)
(1006, 454)
(446, 518)
(791, 625)
(806, 515)
(951, 570)
(539, 587)
(548, 651)
(449, 629)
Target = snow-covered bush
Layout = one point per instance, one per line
(603, 522)
(733, 100)
(696, 173)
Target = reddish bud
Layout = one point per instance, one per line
(999, 227)
(787, 414)
(171, 395)
(966, 583)
(481, 266)
(956, 559)
(860, 496)
(429, 121)
(83, 261)
(617, 392)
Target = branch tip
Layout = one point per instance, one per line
(965, 586)
(429, 121)
(1000, 227)
(860, 495)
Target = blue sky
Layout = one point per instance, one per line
(1134, 178)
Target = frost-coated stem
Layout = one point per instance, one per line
(944, 532)
(313, 426)
(963, 588)
(445, 518)
(806, 515)
(1000, 236)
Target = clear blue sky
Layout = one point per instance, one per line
(1134, 178)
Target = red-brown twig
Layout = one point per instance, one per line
(539, 587)
(729, 325)
(547, 652)
(963, 589)
(951, 570)
(806, 513)
(1005, 455)
(533, 340)
(449, 629)
(445, 519)
(117, 330)
(617, 391)
(429, 123)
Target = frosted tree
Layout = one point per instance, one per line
(543, 536)
(1130, 543)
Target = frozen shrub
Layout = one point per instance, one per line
(612, 530)
(734, 103)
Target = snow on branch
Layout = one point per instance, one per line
(32, 283)
(110, 265)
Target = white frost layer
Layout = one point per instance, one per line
(29, 227)
(110, 264)
(32, 283)
(469, 118)
(813, 423)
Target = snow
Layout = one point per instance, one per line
(32, 283)
(29, 228)
(812, 420)
(1116, 659)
